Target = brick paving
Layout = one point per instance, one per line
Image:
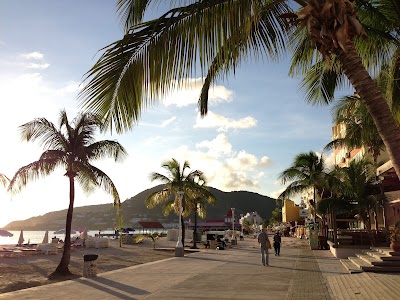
(299, 273)
(307, 280)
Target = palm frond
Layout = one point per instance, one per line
(157, 198)
(104, 149)
(99, 178)
(33, 171)
(4, 180)
(126, 79)
(44, 131)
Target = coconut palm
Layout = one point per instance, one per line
(357, 187)
(360, 128)
(199, 199)
(307, 171)
(136, 70)
(72, 146)
(331, 207)
(178, 178)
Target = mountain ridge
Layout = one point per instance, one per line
(102, 216)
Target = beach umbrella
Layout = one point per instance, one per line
(46, 238)
(6, 233)
(21, 238)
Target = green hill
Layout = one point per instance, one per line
(133, 209)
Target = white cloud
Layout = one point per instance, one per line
(36, 66)
(224, 169)
(275, 194)
(264, 161)
(152, 140)
(217, 147)
(188, 93)
(213, 120)
(168, 121)
(329, 160)
(32, 55)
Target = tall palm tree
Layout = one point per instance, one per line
(136, 70)
(331, 207)
(72, 146)
(307, 171)
(199, 199)
(357, 187)
(178, 178)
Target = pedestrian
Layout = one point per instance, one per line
(265, 244)
(277, 243)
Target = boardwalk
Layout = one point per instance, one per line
(298, 273)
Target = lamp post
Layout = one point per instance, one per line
(233, 241)
(179, 246)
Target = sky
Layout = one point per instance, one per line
(258, 120)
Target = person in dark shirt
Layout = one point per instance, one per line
(265, 244)
(277, 243)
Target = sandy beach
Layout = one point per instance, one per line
(29, 271)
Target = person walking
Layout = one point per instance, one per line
(265, 244)
(277, 243)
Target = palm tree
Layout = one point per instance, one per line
(199, 198)
(73, 147)
(178, 178)
(307, 171)
(219, 35)
(331, 207)
(357, 187)
(360, 128)
(360, 132)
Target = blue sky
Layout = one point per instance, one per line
(258, 120)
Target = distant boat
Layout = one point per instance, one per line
(62, 231)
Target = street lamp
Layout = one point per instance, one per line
(233, 241)
(179, 246)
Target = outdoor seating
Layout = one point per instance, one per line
(48, 248)
(10, 253)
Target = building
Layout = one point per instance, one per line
(388, 178)
(290, 211)
(342, 155)
(391, 188)
(229, 221)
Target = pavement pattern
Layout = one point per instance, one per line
(234, 273)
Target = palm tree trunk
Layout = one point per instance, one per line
(62, 268)
(195, 228)
(183, 232)
(367, 224)
(334, 225)
(374, 101)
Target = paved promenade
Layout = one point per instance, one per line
(299, 273)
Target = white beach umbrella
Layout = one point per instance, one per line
(21, 238)
(46, 238)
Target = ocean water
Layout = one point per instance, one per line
(36, 237)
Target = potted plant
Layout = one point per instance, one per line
(395, 238)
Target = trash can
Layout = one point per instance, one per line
(89, 265)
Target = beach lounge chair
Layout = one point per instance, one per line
(48, 248)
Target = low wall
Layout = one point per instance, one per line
(343, 251)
